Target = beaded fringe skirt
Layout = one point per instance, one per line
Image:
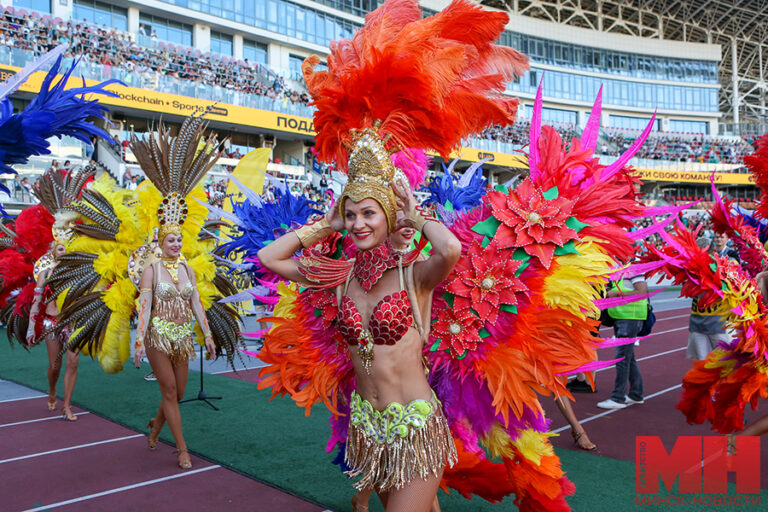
(178, 346)
(424, 451)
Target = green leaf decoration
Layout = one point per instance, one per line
(509, 308)
(713, 267)
(448, 297)
(575, 224)
(483, 333)
(427, 248)
(284, 225)
(318, 313)
(522, 268)
(568, 248)
(552, 193)
(488, 227)
(462, 356)
(486, 242)
(502, 188)
(434, 346)
(521, 255)
(448, 206)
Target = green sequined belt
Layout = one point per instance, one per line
(173, 330)
(394, 421)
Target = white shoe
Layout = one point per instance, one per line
(610, 404)
(633, 402)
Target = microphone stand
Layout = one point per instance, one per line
(201, 394)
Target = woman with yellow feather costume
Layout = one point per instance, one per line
(179, 283)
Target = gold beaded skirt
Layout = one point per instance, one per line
(172, 326)
(390, 448)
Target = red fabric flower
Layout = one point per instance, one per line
(485, 279)
(458, 330)
(530, 221)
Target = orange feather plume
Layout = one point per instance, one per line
(431, 82)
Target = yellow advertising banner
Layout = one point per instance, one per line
(165, 103)
(494, 158)
(721, 178)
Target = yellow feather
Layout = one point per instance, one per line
(498, 443)
(288, 294)
(571, 285)
(534, 445)
(116, 349)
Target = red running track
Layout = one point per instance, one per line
(663, 364)
(95, 465)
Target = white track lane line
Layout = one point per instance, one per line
(19, 399)
(69, 448)
(260, 364)
(606, 413)
(40, 419)
(121, 489)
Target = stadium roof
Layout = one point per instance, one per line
(739, 26)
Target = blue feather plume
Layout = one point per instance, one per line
(465, 195)
(55, 112)
(265, 222)
(761, 225)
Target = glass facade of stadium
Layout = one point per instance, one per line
(682, 87)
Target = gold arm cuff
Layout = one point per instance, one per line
(309, 234)
(145, 290)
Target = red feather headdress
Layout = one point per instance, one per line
(412, 82)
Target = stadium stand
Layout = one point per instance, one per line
(113, 48)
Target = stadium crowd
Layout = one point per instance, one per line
(680, 147)
(517, 133)
(111, 47)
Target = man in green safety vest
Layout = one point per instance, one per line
(628, 321)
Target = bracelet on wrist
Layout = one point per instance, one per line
(309, 234)
(419, 217)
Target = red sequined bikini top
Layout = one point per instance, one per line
(389, 320)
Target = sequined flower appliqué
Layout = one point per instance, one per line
(532, 219)
(458, 330)
(485, 279)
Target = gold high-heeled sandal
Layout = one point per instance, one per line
(582, 446)
(66, 411)
(152, 437)
(184, 464)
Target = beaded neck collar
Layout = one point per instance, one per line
(370, 265)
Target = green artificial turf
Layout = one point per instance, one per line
(275, 443)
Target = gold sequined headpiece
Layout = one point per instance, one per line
(171, 215)
(62, 235)
(371, 173)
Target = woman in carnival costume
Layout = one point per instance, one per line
(549, 246)
(178, 281)
(399, 441)
(33, 243)
(55, 190)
